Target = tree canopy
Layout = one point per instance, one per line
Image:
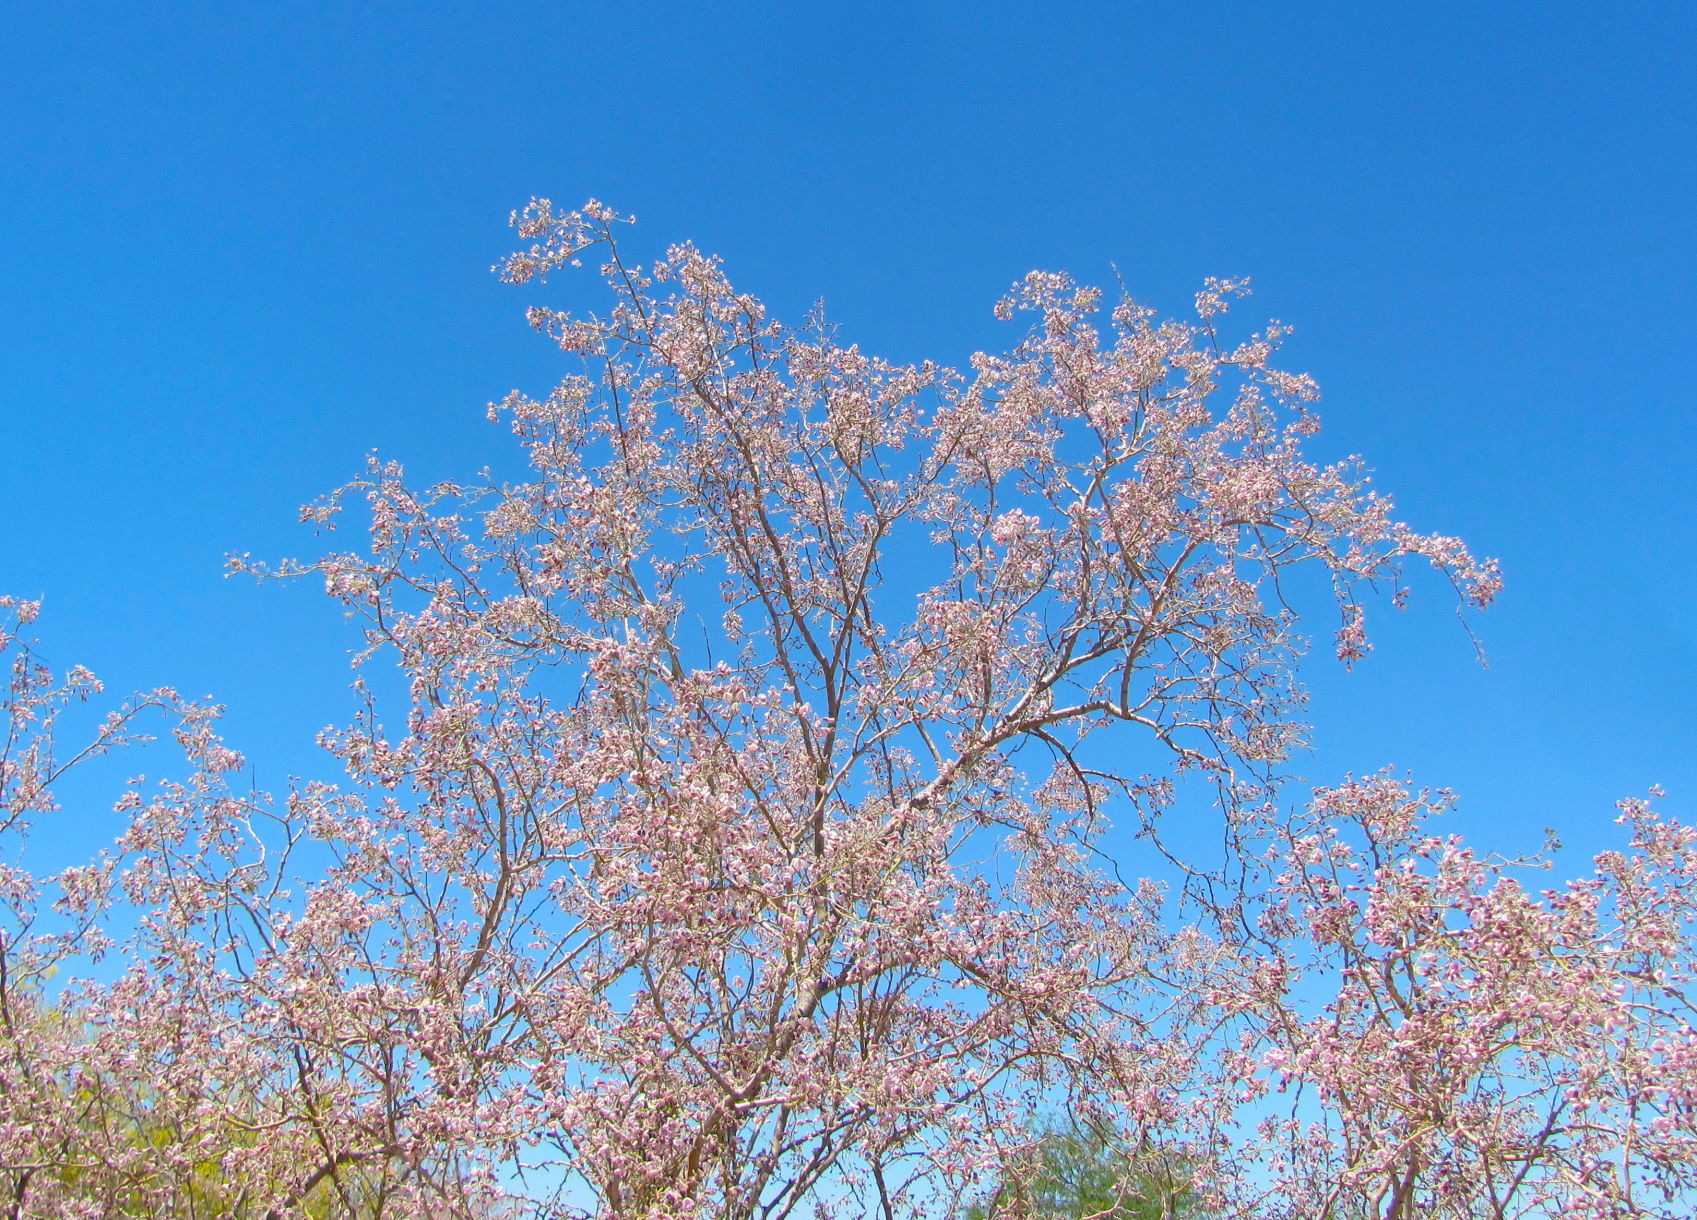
(735, 813)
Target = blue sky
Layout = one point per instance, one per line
(244, 245)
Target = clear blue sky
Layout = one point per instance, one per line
(245, 244)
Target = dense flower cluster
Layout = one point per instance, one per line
(733, 843)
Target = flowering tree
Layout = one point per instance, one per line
(1483, 1051)
(730, 842)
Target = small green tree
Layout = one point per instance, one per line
(1077, 1172)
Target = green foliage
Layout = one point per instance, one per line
(1084, 1173)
